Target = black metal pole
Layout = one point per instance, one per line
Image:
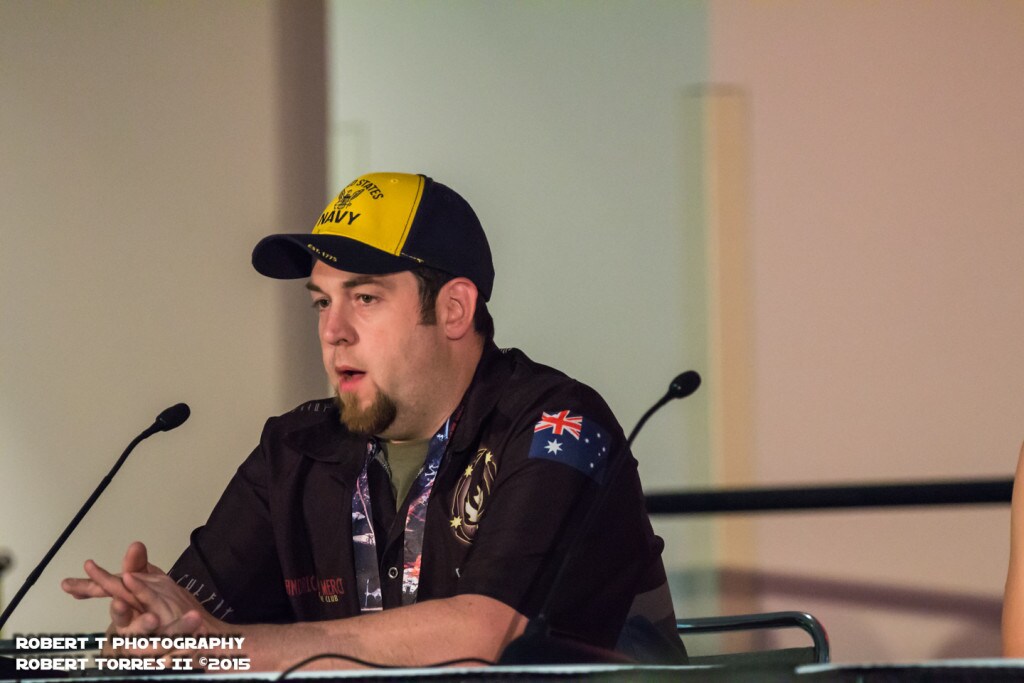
(790, 499)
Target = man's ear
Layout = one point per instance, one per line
(456, 307)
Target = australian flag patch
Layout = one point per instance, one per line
(572, 440)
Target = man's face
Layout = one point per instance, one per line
(380, 359)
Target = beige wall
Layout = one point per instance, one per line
(887, 234)
(146, 147)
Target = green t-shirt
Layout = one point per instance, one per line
(405, 460)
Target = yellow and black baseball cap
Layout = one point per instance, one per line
(386, 223)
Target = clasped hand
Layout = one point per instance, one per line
(144, 601)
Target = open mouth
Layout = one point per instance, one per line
(348, 377)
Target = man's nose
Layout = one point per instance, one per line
(336, 327)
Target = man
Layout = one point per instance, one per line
(423, 515)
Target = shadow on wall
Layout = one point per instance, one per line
(5, 562)
(977, 615)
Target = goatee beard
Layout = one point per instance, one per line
(370, 421)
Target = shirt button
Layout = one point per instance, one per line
(393, 573)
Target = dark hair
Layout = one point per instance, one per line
(430, 281)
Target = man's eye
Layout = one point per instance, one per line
(365, 298)
(320, 304)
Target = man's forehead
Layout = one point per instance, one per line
(324, 274)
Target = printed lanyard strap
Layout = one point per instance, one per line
(364, 541)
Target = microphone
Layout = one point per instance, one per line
(166, 421)
(538, 644)
(173, 417)
(682, 386)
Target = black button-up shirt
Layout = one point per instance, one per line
(278, 545)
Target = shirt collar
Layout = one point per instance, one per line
(492, 372)
(325, 440)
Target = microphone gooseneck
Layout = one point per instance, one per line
(682, 386)
(166, 421)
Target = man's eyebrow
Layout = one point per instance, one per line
(356, 281)
(360, 280)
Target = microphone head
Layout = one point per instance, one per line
(172, 417)
(684, 384)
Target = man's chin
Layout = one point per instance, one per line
(368, 420)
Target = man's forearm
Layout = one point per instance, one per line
(462, 627)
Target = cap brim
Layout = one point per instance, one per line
(287, 257)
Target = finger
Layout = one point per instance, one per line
(121, 614)
(136, 558)
(161, 605)
(112, 584)
(80, 589)
(144, 624)
(164, 585)
(189, 623)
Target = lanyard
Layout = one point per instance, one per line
(364, 540)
